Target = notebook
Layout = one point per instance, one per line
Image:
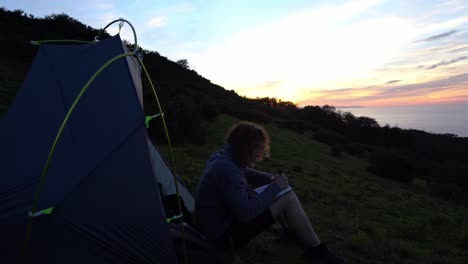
(283, 192)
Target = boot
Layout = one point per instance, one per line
(321, 254)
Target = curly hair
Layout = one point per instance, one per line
(246, 139)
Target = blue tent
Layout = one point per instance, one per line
(101, 182)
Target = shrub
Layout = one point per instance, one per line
(355, 149)
(209, 111)
(183, 120)
(449, 191)
(391, 165)
(329, 137)
(250, 115)
(291, 124)
(451, 172)
(336, 150)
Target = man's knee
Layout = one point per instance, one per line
(289, 197)
(282, 203)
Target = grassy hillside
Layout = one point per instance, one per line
(368, 219)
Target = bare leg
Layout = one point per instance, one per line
(282, 220)
(288, 210)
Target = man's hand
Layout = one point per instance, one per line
(281, 180)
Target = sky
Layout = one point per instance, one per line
(344, 53)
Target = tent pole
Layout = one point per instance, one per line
(52, 151)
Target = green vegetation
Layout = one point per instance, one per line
(368, 219)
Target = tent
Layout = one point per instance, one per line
(99, 200)
(165, 178)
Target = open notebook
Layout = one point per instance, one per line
(286, 190)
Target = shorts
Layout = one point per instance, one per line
(239, 234)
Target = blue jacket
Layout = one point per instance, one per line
(222, 194)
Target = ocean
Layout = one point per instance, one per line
(442, 119)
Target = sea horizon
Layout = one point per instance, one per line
(433, 118)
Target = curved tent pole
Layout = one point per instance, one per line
(179, 203)
(54, 145)
(59, 134)
(39, 42)
(70, 111)
(164, 123)
(135, 49)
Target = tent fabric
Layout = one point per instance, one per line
(101, 182)
(165, 177)
(135, 70)
(163, 174)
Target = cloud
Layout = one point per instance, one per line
(439, 36)
(346, 45)
(262, 87)
(449, 89)
(271, 84)
(273, 88)
(458, 49)
(281, 49)
(425, 87)
(443, 63)
(158, 22)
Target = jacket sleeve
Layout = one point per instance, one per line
(243, 206)
(257, 177)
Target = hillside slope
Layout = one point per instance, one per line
(369, 219)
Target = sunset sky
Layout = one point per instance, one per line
(364, 52)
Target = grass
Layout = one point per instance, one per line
(365, 218)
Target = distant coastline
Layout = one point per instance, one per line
(438, 119)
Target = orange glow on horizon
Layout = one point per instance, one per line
(365, 98)
(402, 101)
(429, 89)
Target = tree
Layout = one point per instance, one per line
(184, 63)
